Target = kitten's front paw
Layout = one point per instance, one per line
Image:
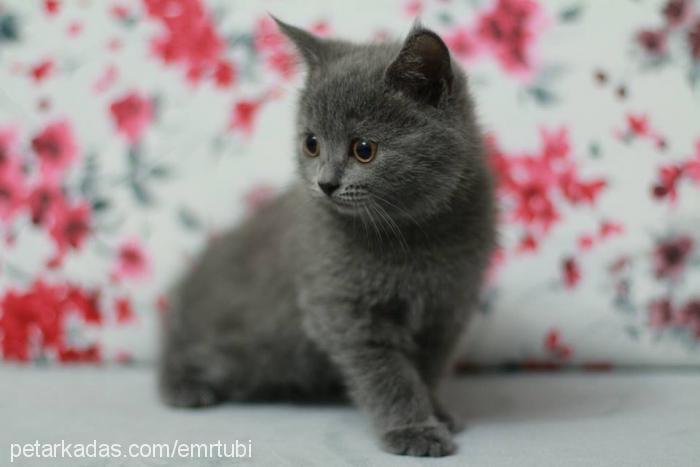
(189, 395)
(420, 440)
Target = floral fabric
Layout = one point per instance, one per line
(133, 131)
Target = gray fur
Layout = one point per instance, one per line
(365, 291)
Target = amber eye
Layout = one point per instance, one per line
(363, 150)
(311, 146)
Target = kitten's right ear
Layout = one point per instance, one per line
(313, 49)
(423, 68)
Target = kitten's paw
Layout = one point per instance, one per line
(189, 395)
(454, 424)
(420, 440)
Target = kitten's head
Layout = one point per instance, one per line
(383, 127)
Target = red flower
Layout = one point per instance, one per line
(51, 6)
(577, 191)
(266, 36)
(554, 345)
(42, 70)
(12, 189)
(508, 30)
(638, 124)
(675, 11)
(535, 206)
(132, 114)
(56, 148)
(225, 74)
(243, 115)
(660, 313)
(585, 242)
(44, 202)
(132, 261)
(689, 316)
(461, 43)
(527, 243)
(669, 176)
(571, 271)
(125, 311)
(37, 317)
(692, 165)
(188, 36)
(653, 42)
(283, 62)
(413, 7)
(608, 228)
(671, 255)
(71, 228)
(556, 143)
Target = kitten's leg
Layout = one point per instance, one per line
(386, 384)
(183, 382)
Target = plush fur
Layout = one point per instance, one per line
(364, 291)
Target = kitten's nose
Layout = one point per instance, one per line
(328, 187)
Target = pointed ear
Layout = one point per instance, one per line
(313, 49)
(422, 70)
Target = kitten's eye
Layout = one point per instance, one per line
(363, 150)
(311, 146)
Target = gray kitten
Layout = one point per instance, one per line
(361, 277)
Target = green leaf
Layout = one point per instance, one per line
(189, 219)
(159, 171)
(571, 13)
(140, 193)
(100, 204)
(9, 31)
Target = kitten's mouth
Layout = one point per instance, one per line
(348, 207)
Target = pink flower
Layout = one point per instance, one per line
(675, 11)
(461, 42)
(188, 36)
(70, 229)
(508, 29)
(652, 41)
(670, 256)
(556, 143)
(8, 145)
(132, 261)
(638, 124)
(132, 114)
(51, 7)
(689, 316)
(609, 228)
(42, 70)
(243, 115)
(692, 165)
(56, 148)
(413, 7)
(554, 345)
(283, 62)
(225, 74)
(45, 203)
(527, 243)
(669, 177)
(12, 189)
(124, 310)
(266, 36)
(38, 316)
(660, 313)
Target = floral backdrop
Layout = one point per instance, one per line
(132, 131)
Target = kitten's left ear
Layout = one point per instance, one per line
(423, 69)
(313, 49)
